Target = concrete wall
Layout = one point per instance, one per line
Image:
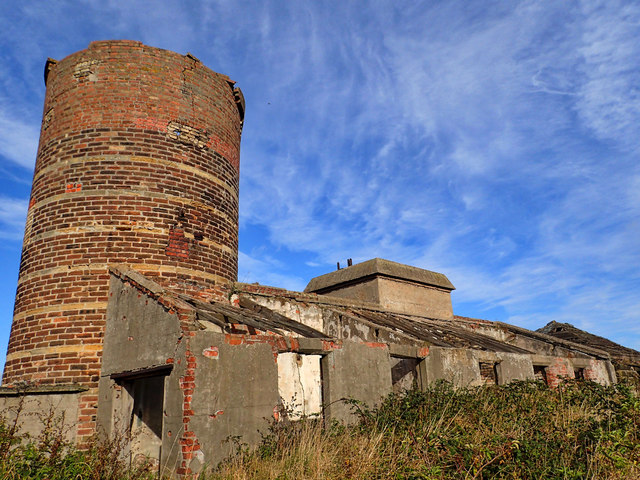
(559, 368)
(401, 296)
(214, 387)
(334, 324)
(32, 412)
(143, 339)
(600, 371)
(140, 333)
(235, 395)
(456, 365)
(364, 291)
(306, 313)
(512, 367)
(414, 299)
(461, 366)
(359, 371)
(529, 343)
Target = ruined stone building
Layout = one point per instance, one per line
(128, 314)
(626, 361)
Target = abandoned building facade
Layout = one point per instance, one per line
(128, 313)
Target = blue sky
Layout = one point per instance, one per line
(495, 142)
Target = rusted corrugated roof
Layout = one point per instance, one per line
(566, 331)
(251, 314)
(441, 333)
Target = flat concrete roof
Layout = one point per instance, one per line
(375, 268)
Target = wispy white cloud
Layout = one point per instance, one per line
(18, 139)
(496, 142)
(476, 165)
(265, 268)
(609, 102)
(13, 213)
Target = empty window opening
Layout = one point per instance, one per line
(540, 373)
(488, 373)
(404, 373)
(146, 403)
(578, 373)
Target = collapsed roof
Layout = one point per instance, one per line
(250, 313)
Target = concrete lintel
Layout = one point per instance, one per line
(581, 362)
(312, 346)
(543, 360)
(164, 369)
(42, 390)
(408, 351)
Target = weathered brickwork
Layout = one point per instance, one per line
(558, 371)
(488, 373)
(137, 164)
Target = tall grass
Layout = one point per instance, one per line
(50, 456)
(520, 431)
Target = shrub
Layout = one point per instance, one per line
(523, 430)
(50, 456)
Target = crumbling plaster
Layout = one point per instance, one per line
(219, 386)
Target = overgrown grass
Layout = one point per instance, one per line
(49, 456)
(520, 431)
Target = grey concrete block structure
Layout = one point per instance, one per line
(183, 374)
(192, 373)
(399, 288)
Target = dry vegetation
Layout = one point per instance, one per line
(519, 431)
(51, 457)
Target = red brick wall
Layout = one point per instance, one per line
(560, 369)
(488, 373)
(137, 164)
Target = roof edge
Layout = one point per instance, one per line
(556, 341)
(374, 268)
(149, 287)
(318, 298)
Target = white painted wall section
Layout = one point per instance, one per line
(299, 384)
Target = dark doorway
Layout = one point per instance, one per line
(540, 373)
(404, 373)
(146, 398)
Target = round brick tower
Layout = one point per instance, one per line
(137, 165)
